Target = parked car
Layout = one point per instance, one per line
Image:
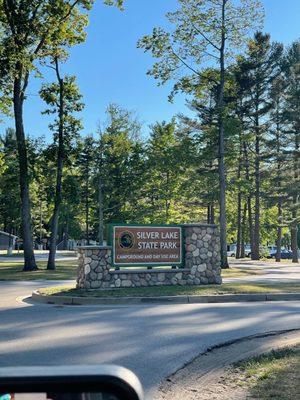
(247, 250)
(285, 254)
(231, 250)
(272, 251)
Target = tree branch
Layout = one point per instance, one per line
(57, 70)
(184, 63)
(205, 37)
(8, 16)
(211, 55)
(34, 13)
(25, 84)
(42, 41)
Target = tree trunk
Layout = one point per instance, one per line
(279, 233)
(239, 226)
(249, 197)
(239, 204)
(221, 163)
(208, 213)
(101, 212)
(167, 201)
(278, 175)
(294, 228)
(59, 172)
(66, 234)
(256, 233)
(294, 244)
(41, 222)
(243, 232)
(212, 213)
(18, 97)
(87, 209)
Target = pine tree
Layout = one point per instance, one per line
(120, 169)
(87, 168)
(260, 68)
(274, 157)
(292, 119)
(203, 31)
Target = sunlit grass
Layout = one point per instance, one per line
(14, 271)
(66, 269)
(227, 288)
(271, 376)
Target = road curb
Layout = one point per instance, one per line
(194, 299)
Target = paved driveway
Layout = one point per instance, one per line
(270, 271)
(152, 340)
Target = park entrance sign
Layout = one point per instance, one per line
(146, 245)
(105, 267)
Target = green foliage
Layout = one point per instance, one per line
(121, 164)
(291, 116)
(72, 105)
(9, 190)
(166, 174)
(194, 39)
(171, 176)
(34, 30)
(116, 3)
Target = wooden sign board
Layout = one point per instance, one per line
(150, 245)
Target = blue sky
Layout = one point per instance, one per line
(109, 67)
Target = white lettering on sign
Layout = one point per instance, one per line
(169, 235)
(168, 245)
(148, 245)
(147, 235)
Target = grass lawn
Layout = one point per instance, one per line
(226, 288)
(272, 376)
(67, 270)
(13, 271)
(233, 272)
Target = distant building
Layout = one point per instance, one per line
(7, 240)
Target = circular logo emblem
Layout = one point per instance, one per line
(126, 240)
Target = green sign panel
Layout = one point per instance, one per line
(149, 245)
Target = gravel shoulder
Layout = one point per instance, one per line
(210, 376)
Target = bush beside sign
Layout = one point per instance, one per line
(141, 245)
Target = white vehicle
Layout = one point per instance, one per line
(247, 250)
(272, 251)
(231, 250)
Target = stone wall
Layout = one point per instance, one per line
(202, 252)
(201, 264)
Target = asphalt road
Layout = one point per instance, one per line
(269, 271)
(152, 340)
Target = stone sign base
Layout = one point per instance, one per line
(201, 264)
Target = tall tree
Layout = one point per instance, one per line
(204, 30)
(63, 99)
(28, 31)
(119, 160)
(167, 158)
(204, 129)
(86, 163)
(275, 157)
(261, 66)
(292, 118)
